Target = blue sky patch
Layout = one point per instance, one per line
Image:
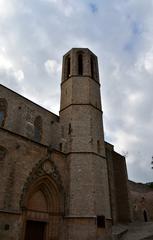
(93, 7)
(136, 29)
(128, 46)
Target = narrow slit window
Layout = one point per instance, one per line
(60, 146)
(70, 129)
(38, 129)
(98, 146)
(1, 118)
(2, 153)
(68, 67)
(3, 111)
(92, 67)
(80, 64)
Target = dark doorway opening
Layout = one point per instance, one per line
(35, 230)
(145, 216)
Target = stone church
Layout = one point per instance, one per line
(59, 179)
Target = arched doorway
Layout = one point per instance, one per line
(37, 216)
(42, 204)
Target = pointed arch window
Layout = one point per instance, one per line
(38, 129)
(92, 67)
(67, 67)
(80, 64)
(3, 111)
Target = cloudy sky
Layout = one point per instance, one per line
(35, 34)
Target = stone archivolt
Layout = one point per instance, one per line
(42, 199)
(44, 169)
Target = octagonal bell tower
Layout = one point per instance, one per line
(82, 139)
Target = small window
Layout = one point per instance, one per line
(2, 153)
(70, 129)
(6, 227)
(60, 146)
(80, 64)
(101, 221)
(2, 115)
(3, 111)
(38, 129)
(98, 146)
(145, 216)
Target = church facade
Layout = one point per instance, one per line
(59, 179)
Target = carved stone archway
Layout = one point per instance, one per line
(42, 201)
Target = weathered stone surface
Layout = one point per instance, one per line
(56, 170)
(141, 200)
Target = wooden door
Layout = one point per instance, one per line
(35, 230)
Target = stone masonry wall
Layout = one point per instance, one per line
(121, 187)
(118, 185)
(21, 114)
(141, 197)
(21, 157)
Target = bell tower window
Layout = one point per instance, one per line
(92, 67)
(80, 64)
(67, 67)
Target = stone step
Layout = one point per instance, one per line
(139, 231)
(119, 231)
